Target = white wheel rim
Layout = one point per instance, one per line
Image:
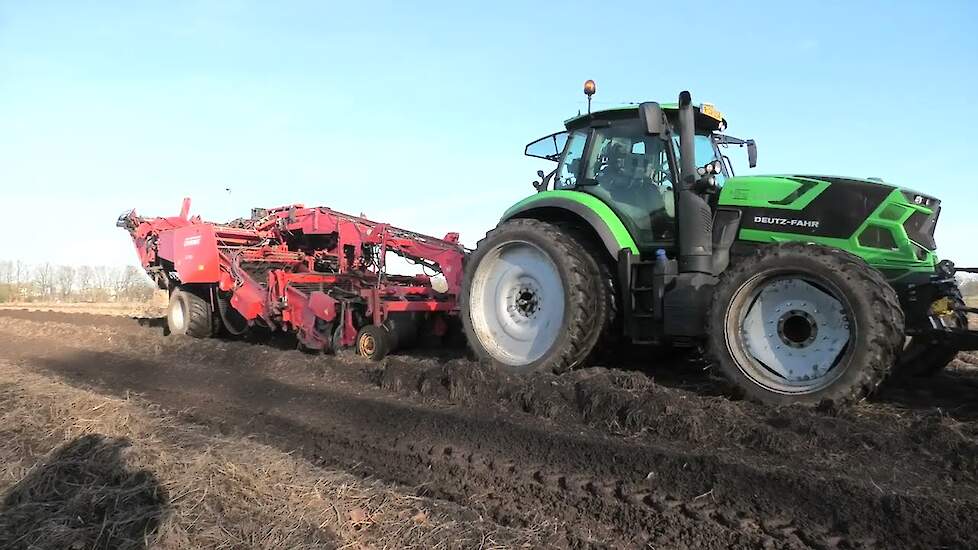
(793, 334)
(176, 316)
(516, 303)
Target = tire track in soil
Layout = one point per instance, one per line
(590, 489)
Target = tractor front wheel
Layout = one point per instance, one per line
(800, 323)
(533, 298)
(190, 315)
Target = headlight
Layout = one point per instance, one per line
(920, 199)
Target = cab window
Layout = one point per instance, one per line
(629, 170)
(706, 151)
(571, 161)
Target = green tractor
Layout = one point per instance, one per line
(799, 288)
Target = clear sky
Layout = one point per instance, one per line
(416, 113)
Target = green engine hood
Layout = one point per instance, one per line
(888, 226)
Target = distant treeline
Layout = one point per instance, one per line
(23, 282)
(969, 286)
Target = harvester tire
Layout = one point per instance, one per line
(533, 298)
(804, 323)
(922, 357)
(190, 315)
(374, 342)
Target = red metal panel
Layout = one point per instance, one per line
(322, 306)
(249, 300)
(195, 256)
(165, 246)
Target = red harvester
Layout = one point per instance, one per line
(314, 271)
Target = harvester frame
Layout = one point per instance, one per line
(319, 273)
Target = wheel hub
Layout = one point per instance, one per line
(795, 330)
(526, 302)
(367, 345)
(176, 316)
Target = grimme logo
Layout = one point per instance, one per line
(786, 221)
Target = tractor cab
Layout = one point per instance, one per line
(611, 155)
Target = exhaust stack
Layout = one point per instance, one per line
(687, 147)
(695, 216)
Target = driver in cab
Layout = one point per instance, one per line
(613, 174)
(630, 181)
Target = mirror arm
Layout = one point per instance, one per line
(729, 165)
(544, 182)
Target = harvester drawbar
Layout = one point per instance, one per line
(314, 271)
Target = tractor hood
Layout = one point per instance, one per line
(912, 195)
(830, 206)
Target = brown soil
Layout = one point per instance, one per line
(152, 308)
(603, 458)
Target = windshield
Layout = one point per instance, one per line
(574, 150)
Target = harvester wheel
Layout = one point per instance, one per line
(801, 323)
(190, 315)
(923, 357)
(373, 342)
(533, 298)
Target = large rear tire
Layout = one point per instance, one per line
(800, 323)
(190, 315)
(533, 298)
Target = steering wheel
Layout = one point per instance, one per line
(659, 176)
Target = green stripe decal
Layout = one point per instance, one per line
(603, 211)
(782, 192)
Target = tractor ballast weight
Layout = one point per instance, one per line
(316, 272)
(800, 288)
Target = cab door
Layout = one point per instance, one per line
(629, 170)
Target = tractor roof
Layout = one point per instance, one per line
(707, 116)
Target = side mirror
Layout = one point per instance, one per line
(751, 153)
(653, 118)
(547, 147)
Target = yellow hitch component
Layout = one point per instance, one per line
(941, 307)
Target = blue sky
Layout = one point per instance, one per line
(416, 113)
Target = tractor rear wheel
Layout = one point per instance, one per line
(189, 314)
(800, 323)
(925, 357)
(533, 298)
